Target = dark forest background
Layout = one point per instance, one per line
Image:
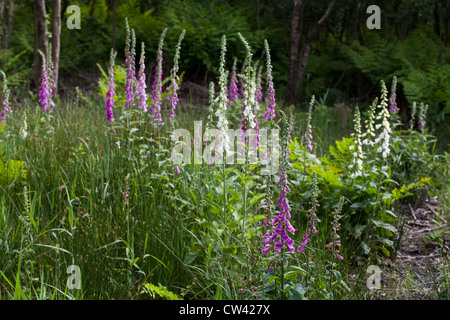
(318, 47)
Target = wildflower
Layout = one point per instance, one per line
(233, 91)
(358, 154)
(5, 99)
(211, 105)
(51, 82)
(413, 114)
(311, 215)
(44, 94)
(336, 243)
(118, 144)
(422, 116)
(23, 130)
(270, 93)
(222, 123)
(280, 222)
(157, 85)
(173, 96)
(110, 94)
(369, 125)
(250, 94)
(308, 133)
(259, 94)
(386, 130)
(140, 90)
(130, 54)
(177, 170)
(392, 100)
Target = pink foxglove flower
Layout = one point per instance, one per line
(157, 83)
(110, 94)
(270, 93)
(5, 97)
(311, 215)
(336, 243)
(141, 93)
(173, 95)
(280, 223)
(131, 70)
(44, 94)
(393, 99)
(233, 91)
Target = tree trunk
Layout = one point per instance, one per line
(353, 37)
(10, 21)
(114, 5)
(91, 14)
(40, 39)
(305, 54)
(2, 9)
(56, 40)
(294, 54)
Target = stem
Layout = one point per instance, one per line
(282, 272)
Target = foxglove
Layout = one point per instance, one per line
(233, 91)
(358, 154)
(157, 83)
(384, 125)
(131, 70)
(141, 93)
(5, 99)
(173, 95)
(369, 135)
(110, 94)
(335, 244)
(281, 227)
(393, 99)
(308, 133)
(221, 113)
(44, 89)
(270, 93)
(422, 116)
(311, 215)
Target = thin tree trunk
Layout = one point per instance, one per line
(56, 40)
(2, 9)
(114, 5)
(91, 14)
(295, 42)
(257, 15)
(305, 55)
(352, 38)
(10, 21)
(40, 39)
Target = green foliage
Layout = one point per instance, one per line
(160, 291)
(421, 64)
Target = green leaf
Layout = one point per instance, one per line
(365, 247)
(190, 257)
(385, 241)
(357, 205)
(384, 225)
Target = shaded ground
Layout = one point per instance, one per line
(418, 271)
